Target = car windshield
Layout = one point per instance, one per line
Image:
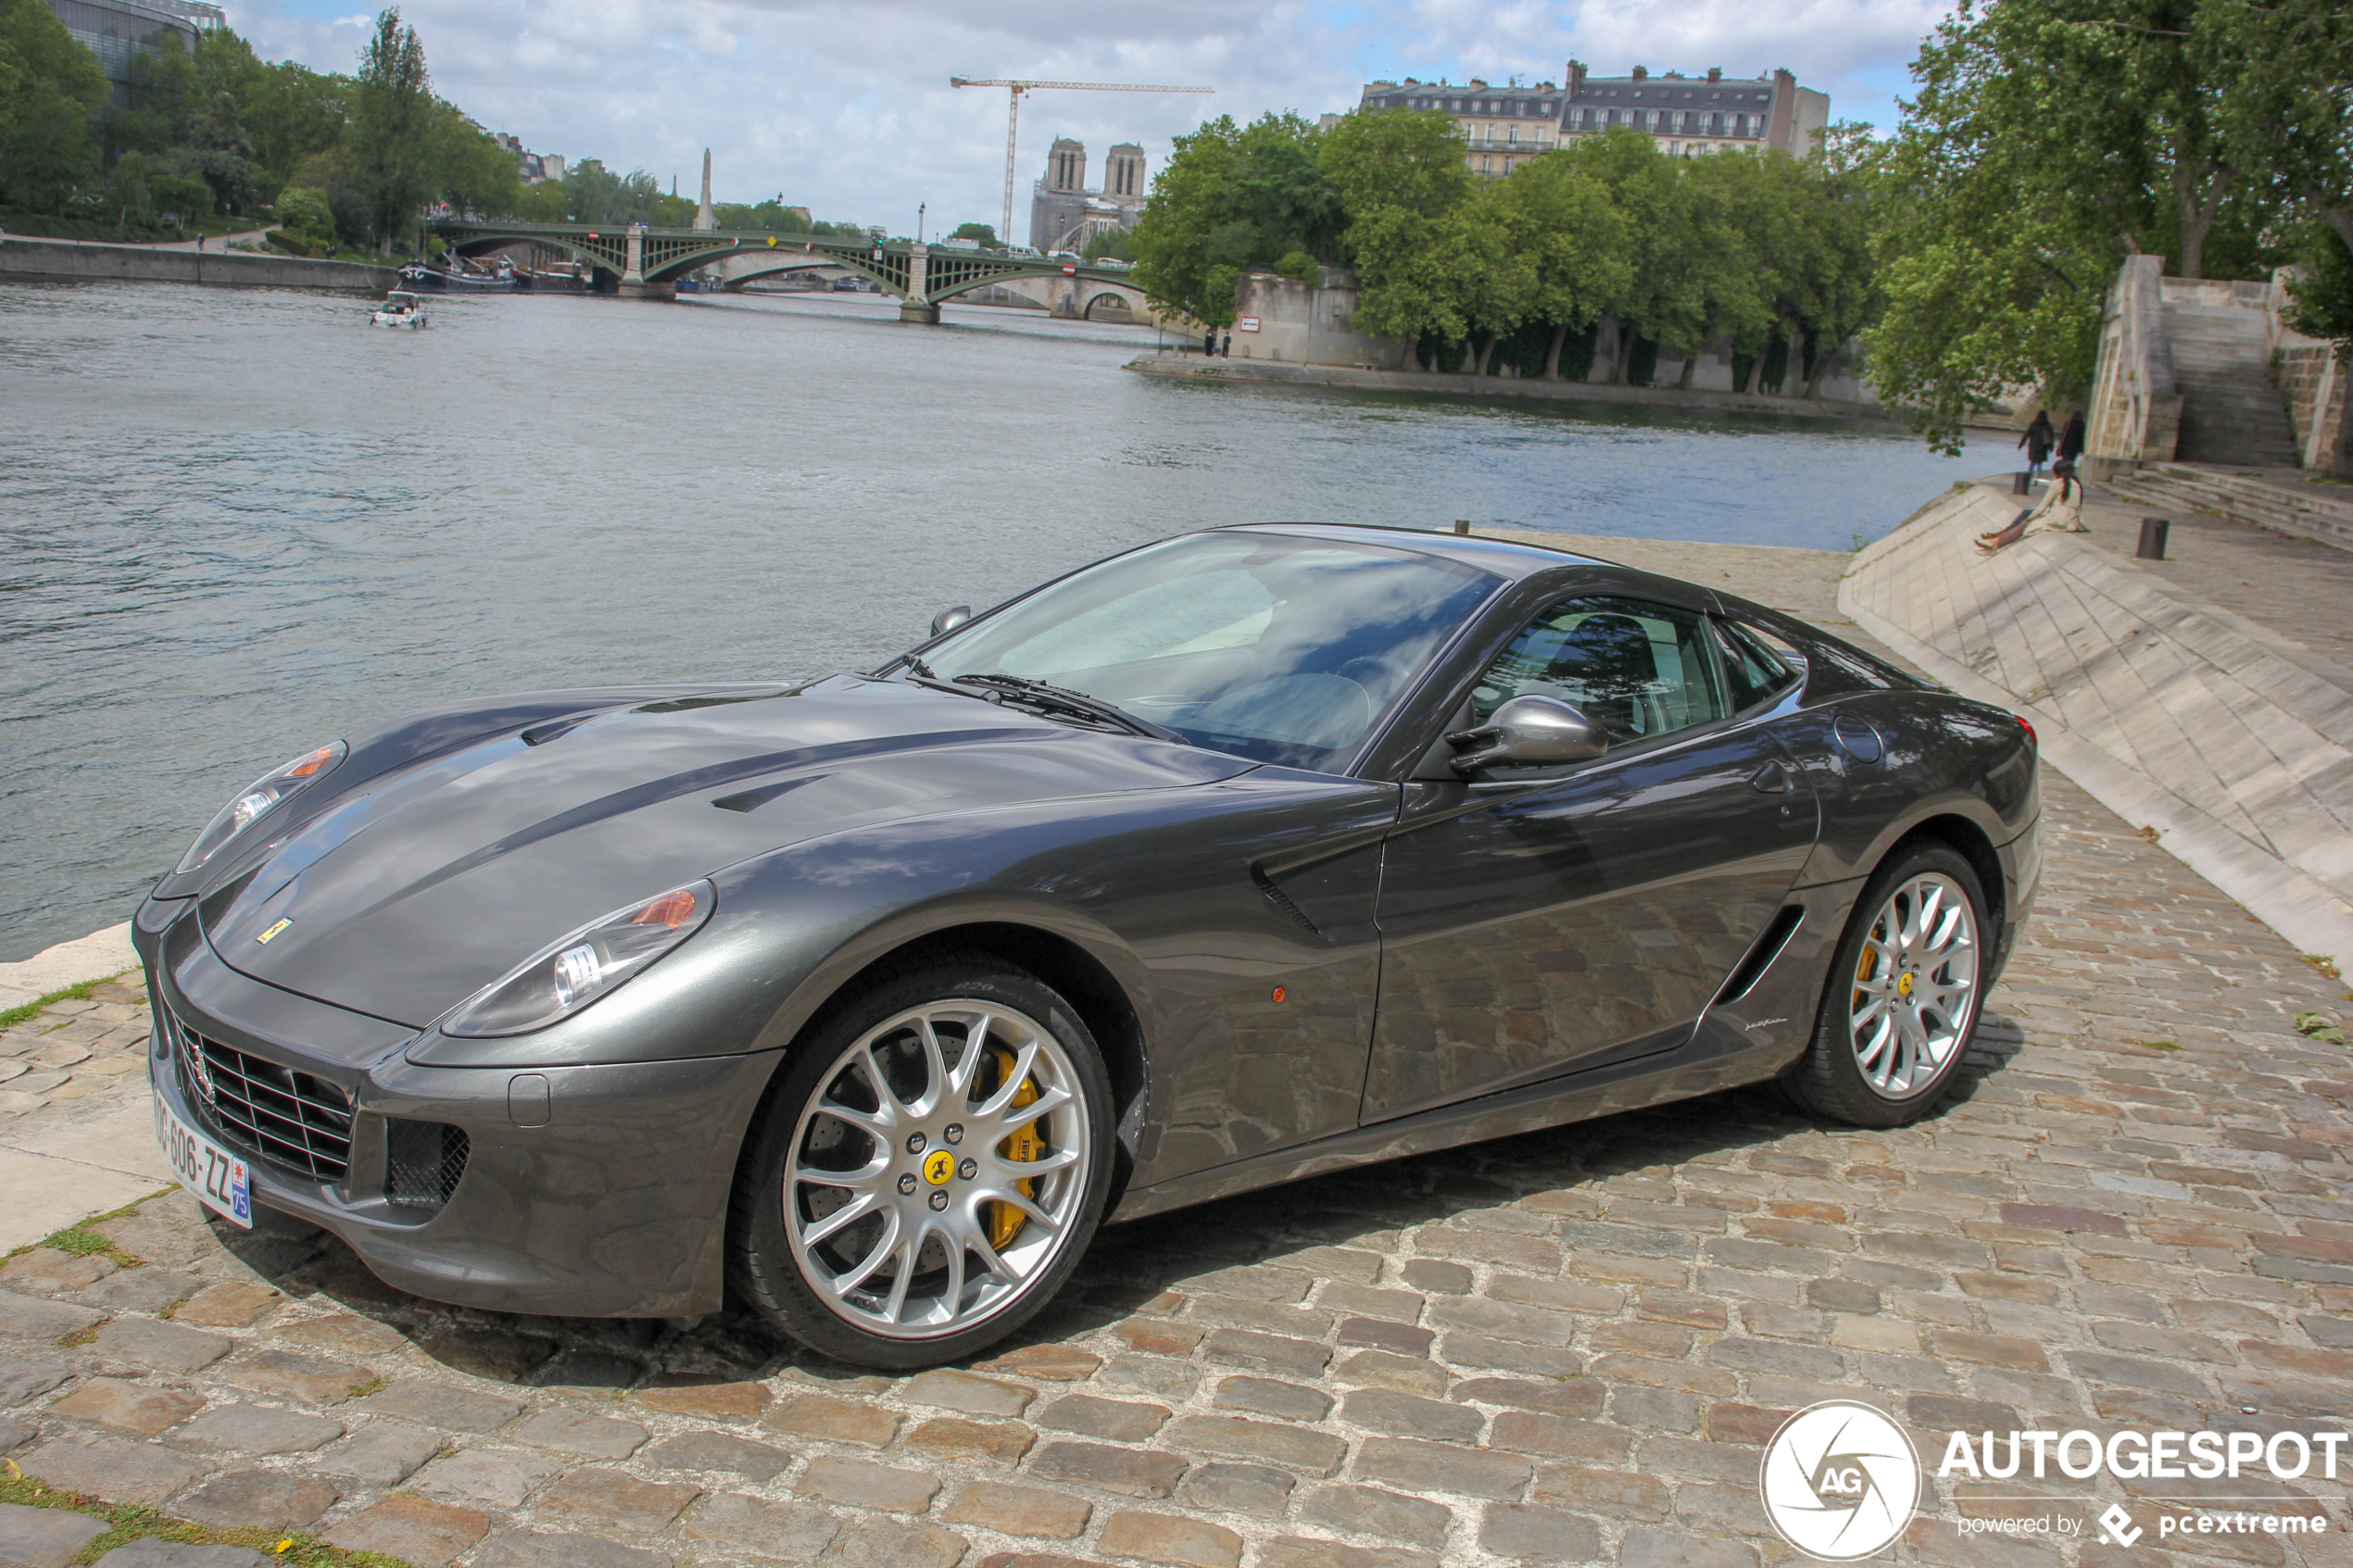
(1277, 648)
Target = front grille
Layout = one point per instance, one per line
(287, 1118)
(423, 1162)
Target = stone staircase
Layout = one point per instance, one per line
(2299, 510)
(2231, 413)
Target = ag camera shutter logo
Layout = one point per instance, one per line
(1840, 1481)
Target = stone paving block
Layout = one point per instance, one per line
(501, 1477)
(1019, 1510)
(1268, 1396)
(109, 1468)
(1256, 1489)
(255, 1429)
(559, 1549)
(21, 1380)
(383, 1453)
(154, 1290)
(1666, 1549)
(572, 1432)
(1265, 1353)
(35, 1317)
(615, 1499)
(346, 1334)
(1152, 1375)
(497, 1354)
(1263, 1442)
(1416, 1466)
(44, 1538)
(1368, 1510)
(710, 1401)
(718, 1452)
(164, 1346)
(997, 1442)
(128, 1406)
(44, 1271)
(273, 1499)
(1129, 1421)
(1530, 1533)
(839, 1421)
(860, 1483)
(1304, 1551)
(310, 1379)
(411, 1528)
(780, 1532)
(1408, 1415)
(1136, 1472)
(962, 1391)
(885, 1543)
(154, 1552)
(1051, 1364)
(1170, 1538)
(234, 1303)
(435, 1404)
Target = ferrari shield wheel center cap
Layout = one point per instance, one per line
(939, 1167)
(1904, 985)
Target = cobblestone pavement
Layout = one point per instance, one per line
(1557, 1348)
(77, 1051)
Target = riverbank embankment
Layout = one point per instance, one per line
(2227, 740)
(1183, 365)
(71, 261)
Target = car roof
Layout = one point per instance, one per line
(1509, 559)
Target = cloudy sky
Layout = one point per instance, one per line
(845, 107)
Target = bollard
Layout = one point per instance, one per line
(2153, 533)
(1462, 525)
(2024, 482)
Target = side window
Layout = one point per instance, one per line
(1637, 670)
(1753, 670)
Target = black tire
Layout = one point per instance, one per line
(763, 1268)
(1830, 1078)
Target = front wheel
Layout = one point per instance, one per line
(1903, 997)
(928, 1169)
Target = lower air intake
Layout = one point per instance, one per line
(423, 1162)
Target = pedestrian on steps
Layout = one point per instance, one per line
(2071, 444)
(2038, 441)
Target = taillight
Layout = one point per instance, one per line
(2022, 724)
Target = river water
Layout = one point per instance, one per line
(235, 525)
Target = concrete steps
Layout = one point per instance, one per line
(2242, 499)
(2231, 413)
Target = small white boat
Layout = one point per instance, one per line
(400, 308)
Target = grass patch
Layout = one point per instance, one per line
(81, 1241)
(14, 1016)
(131, 1522)
(2157, 1044)
(2322, 962)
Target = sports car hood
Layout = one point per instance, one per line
(427, 883)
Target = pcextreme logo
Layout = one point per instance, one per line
(1840, 1481)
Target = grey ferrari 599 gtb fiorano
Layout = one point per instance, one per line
(1245, 854)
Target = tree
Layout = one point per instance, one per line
(1580, 246)
(984, 234)
(1403, 184)
(49, 87)
(1229, 199)
(392, 128)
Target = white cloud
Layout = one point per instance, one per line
(848, 110)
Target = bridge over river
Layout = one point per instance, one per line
(647, 263)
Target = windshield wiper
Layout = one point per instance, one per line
(1038, 694)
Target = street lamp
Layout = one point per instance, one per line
(919, 221)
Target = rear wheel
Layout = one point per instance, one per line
(928, 1169)
(1903, 992)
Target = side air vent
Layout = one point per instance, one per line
(424, 1161)
(1760, 957)
(1283, 900)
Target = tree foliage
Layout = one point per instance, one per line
(1231, 198)
(49, 87)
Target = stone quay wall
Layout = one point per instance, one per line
(52, 261)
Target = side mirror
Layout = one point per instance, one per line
(1528, 731)
(947, 621)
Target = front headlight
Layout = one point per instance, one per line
(566, 975)
(255, 800)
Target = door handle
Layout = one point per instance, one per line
(1771, 779)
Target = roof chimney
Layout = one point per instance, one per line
(1715, 73)
(1641, 72)
(1576, 77)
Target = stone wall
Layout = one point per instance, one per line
(1313, 324)
(52, 259)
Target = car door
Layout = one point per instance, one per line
(1536, 925)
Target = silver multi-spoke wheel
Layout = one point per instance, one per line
(1916, 985)
(937, 1169)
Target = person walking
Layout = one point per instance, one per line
(2071, 444)
(2038, 441)
(1209, 342)
(1225, 346)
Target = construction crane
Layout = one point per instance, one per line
(1012, 118)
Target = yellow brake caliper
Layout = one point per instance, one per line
(1023, 1144)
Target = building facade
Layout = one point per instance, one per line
(1064, 214)
(1504, 127)
(535, 169)
(117, 29)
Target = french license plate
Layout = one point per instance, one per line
(218, 1177)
